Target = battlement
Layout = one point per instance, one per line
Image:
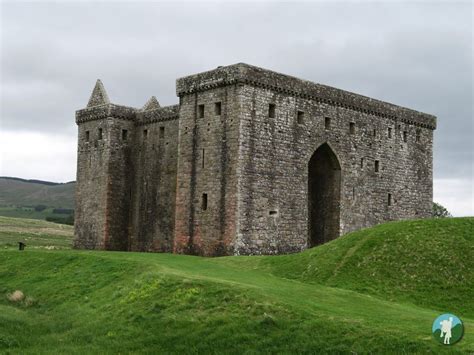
(104, 111)
(242, 73)
(160, 114)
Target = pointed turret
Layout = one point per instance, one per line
(151, 104)
(99, 95)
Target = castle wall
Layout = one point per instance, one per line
(207, 172)
(154, 193)
(103, 188)
(90, 195)
(274, 156)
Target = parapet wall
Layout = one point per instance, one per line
(266, 79)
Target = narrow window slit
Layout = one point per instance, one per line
(217, 108)
(271, 110)
(352, 128)
(300, 117)
(327, 122)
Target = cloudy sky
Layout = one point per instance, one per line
(417, 55)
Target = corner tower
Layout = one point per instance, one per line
(208, 151)
(104, 173)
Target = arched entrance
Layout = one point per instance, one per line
(324, 195)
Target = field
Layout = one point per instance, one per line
(374, 291)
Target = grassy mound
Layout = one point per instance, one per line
(427, 262)
(111, 302)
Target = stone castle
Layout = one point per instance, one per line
(250, 162)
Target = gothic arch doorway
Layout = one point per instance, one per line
(324, 196)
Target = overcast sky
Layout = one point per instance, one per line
(415, 55)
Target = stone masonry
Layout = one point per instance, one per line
(250, 162)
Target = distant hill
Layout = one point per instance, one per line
(21, 192)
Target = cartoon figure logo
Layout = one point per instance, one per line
(447, 329)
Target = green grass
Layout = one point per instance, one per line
(34, 233)
(337, 298)
(427, 262)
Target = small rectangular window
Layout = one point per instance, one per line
(300, 117)
(145, 134)
(162, 132)
(217, 108)
(124, 134)
(100, 133)
(201, 111)
(273, 213)
(375, 133)
(327, 122)
(271, 110)
(203, 153)
(87, 136)
(352, 128)
(361, 163)
(405, 135)
(204, 202)
(389, 199)
(376, 166)
(418, 135)
(389, 132)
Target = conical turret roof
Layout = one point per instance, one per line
(151, 104)
(99, 95)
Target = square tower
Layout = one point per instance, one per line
(271, 164)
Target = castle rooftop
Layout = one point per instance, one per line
(242, 73)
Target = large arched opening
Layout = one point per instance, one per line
(324, 195)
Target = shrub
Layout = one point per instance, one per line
(440, 211)
(62, 220)
(39, 208)
(63, 211)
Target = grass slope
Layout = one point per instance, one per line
(109, 302)
(34, 233)
(427, 262)
(17, 192)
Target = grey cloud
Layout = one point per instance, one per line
(415, 55)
